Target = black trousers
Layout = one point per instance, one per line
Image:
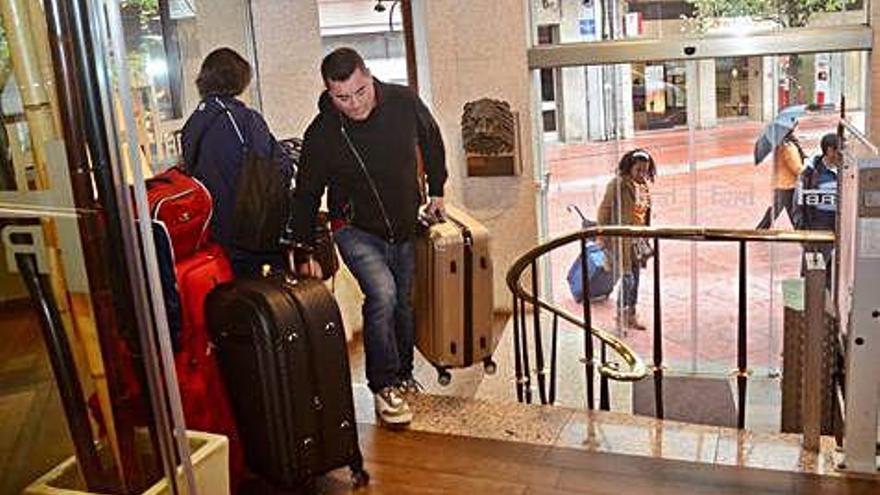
(783, 199)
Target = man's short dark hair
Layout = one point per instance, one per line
(224, 73)
(340, 64)
(829, 141)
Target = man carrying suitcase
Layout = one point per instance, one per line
(363, 147)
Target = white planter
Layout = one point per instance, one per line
(210, 459)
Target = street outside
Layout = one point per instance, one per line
(725, 189)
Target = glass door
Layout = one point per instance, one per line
(698, 111)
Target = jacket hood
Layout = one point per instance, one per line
(325, 105)
(207, 110)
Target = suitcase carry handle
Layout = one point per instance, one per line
(585, 223)
(428, 220)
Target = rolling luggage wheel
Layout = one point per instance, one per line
(359, 477)
(489, 366)
(444, 378)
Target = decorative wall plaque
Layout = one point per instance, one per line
(490, 135)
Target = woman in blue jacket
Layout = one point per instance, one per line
(214, 139)
(816, 198)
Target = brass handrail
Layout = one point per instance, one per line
(636, 365)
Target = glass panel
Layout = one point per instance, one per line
(548, 85)
(373, 28)
(700, 121)
(602, 20)
(166, 43)
(659, 96)
(732, 87)
(612, 110)
(549, 120)
(72, 394)
(58, 200)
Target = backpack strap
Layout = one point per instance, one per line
(231, 119)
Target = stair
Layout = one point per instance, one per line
(610, 432)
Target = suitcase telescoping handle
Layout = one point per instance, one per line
(585, 222)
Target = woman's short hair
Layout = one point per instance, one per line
(224, 73)
(340, 64)
(630, 158)
(829, 141)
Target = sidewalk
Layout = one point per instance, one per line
(725, 189)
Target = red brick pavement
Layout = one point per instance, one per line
(728, 191)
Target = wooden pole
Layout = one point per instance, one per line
(814, 316)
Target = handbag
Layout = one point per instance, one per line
(262, 203)
(642, 250)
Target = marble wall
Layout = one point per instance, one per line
(288, 50)
(473, 50)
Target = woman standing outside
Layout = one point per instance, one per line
(627, 201)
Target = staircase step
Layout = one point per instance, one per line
(610, 432)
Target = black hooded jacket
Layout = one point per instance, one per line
(386, 141)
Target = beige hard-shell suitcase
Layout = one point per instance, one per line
(453, 301)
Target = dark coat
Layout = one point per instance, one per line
(387, 142)
(817, 176)
(214, 154)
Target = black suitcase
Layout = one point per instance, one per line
(282, 352)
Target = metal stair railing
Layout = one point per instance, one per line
(635, 368)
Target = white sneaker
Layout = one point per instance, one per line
(391, 409)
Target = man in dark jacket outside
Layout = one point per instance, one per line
(363, 147)
(214, 139)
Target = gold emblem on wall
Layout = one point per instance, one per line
(490, 134)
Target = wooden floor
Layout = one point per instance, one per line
(33, 432)
(416, 462)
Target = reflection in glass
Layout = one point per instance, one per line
(58, 189)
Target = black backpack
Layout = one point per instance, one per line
(262, 201)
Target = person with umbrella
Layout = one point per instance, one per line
(788, 162)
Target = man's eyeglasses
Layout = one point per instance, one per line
(346, 98)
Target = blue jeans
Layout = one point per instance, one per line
(384, 272)
(629, 287)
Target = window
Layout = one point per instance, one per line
(376, 33)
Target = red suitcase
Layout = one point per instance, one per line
(184, 206)
(202, 393)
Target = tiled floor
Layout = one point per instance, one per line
(33, 433)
